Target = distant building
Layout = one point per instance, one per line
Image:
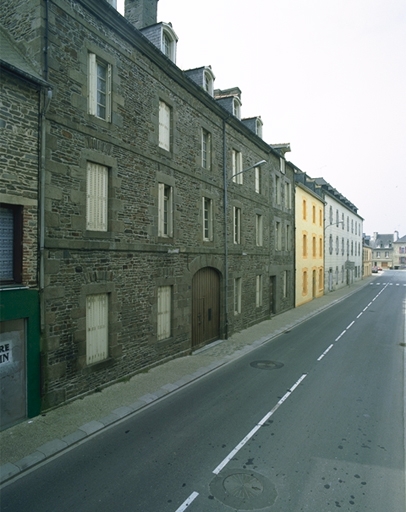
(399, 252)
(382, 249)
(309, 255)
(342, 239)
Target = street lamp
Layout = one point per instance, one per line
(226, 181)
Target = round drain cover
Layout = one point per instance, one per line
(243, 489)
(266, 365)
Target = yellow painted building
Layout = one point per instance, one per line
(309, 218)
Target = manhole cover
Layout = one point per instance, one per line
(266, 365)
(243, 489)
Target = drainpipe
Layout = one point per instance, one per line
(47, 96)
(225, 202)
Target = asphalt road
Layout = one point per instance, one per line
(311, 421)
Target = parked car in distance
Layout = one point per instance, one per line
(379, 269)
(374, 270)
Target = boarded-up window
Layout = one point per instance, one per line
(96, 198)
(164, 126)
(164, 312)
(259, 291)
(96, 328)
(237, 295)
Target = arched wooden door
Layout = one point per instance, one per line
(205, 307)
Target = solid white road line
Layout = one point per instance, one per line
(257, 427)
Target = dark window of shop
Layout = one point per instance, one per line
(11, 243)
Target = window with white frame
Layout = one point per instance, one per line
(97, 197)
(285, 284)
(257, 174)
(342, 221)
(342, 246)
(288, 237)
(330, 244)
(287, 195)
(258, 229)
(206, 149)
(164, 126)
(207, 219)
(99, 88)
(258, 293)
(277, 190)
(282, 165)
(237, 295)
(278, 236)
(331, 215)
(96, 328)
(237, 225)
(237, 167)
(237, 108)
(337, 245)
(164, 312)
(168, 44)
(208, 83)
(165, 210)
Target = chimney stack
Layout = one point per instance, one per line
(141, 13)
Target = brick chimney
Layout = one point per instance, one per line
(141, 13)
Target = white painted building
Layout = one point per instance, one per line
(342, 239)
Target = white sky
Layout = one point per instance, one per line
(328, 76)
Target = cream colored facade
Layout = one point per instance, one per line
(309, 219)
(367, 261)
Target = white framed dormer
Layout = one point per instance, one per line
(168, 41)
(236, 107)
(258, 126)
(208, 81)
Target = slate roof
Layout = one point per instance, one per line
(12, 58)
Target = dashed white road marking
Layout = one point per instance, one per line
(351, 324)
(325, 352)
(187, 502)
(257, 427)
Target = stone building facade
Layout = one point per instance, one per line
(382, 249)
(159, 227)
(23, 93)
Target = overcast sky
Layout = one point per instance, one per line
(328, 76)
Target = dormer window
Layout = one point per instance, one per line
(208, 82)
(169, 42)
(259, 127)
(236, 108)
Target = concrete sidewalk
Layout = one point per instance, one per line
(31, 442)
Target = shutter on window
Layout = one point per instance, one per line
(92, 85)
(108, 93)
(161, 207)
(96, 328)
(97, 190)
(164, 125)
(164, 312)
